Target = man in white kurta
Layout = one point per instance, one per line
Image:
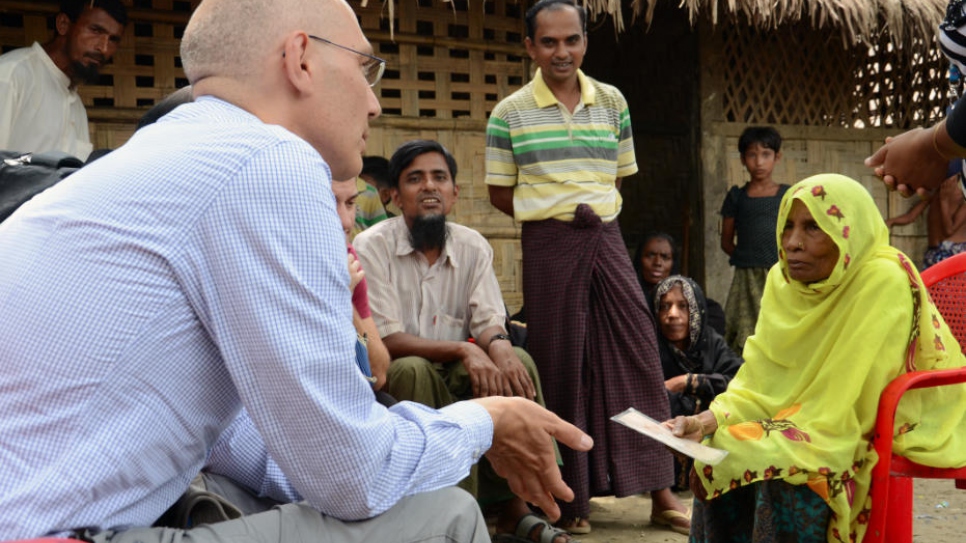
(40, 109)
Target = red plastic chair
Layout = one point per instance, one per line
(891, 516)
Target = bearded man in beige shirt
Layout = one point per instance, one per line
(437, 304)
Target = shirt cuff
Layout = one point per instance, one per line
(475, 419)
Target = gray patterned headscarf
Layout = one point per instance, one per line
(695, 309)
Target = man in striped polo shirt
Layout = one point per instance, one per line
(556, 152)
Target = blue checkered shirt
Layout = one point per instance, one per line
(148, 297)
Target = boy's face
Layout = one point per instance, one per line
(760, 161)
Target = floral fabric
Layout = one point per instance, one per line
(802, 408)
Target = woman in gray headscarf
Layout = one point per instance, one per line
(697, 363)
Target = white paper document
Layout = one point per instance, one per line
(634, 419)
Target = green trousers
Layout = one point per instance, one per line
(416, 379)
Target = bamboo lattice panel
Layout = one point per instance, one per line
(797, 75)
(446, 60)
(147, 65)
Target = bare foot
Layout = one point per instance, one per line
(667, 510)
(578, 525)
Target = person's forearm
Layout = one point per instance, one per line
(709, 424)
(240, 455)
(502, 198)
(910, 215)
(728, 235)
(952, 137)
(401, 344)
(378, 354)
(946, 143)
(486, 337)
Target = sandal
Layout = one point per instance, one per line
(574, 526)
(528, 527)
(667, 518)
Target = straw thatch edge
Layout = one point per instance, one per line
(861, 21)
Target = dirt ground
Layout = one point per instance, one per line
(939, 514)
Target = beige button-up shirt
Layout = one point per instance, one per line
(454, 299)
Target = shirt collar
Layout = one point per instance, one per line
(49, 63)
(544, 96)
(404, 246)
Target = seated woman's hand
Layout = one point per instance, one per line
(685, 428)
(693, 427)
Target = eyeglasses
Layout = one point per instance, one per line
(372, 69)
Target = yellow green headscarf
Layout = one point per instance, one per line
(803, 406)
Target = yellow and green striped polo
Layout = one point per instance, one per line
(555, 159)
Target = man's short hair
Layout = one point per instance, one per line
(532, 13)
(377, 168)
(221, 39)
(407, 153)
(766, 136)
(114, 8)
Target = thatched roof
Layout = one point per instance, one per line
(859, 20)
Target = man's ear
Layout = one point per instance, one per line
(394, 193)
(295, 65)
(778, 156)
(456, 190)
(528, 43)
(62, 24)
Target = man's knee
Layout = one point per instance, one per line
(528, 363)
(416, 379)
(410, 369)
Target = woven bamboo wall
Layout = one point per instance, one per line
(818, 94)
(446, 61)
(797, 75)
(448, 66)
(805, 151)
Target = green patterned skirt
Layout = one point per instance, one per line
(744, 302)
(763, 512)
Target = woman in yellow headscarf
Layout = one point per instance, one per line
(843, 314)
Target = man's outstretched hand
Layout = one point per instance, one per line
(523, 453)
(911, 163)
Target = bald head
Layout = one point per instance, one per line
(233, 38)
(259, 56)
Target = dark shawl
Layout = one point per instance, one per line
(708, 358)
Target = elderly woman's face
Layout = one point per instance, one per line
(810, 252)
(673, 313)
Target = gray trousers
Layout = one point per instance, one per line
(444, 516)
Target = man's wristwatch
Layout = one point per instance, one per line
(495, 337)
